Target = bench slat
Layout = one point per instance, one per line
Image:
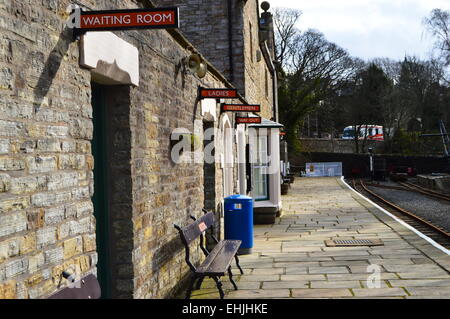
(208, 219)
(220, 258)
(194, 230)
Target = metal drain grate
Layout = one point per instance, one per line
(353, 242)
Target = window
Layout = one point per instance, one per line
(260, 166)
(349, 133)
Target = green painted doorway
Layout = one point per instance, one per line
(101, 193)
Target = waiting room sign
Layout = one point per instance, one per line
(111, 20)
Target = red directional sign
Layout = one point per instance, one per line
(218, 93)
(128, 19)
(240, 108)
(248, 120)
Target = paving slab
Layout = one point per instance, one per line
(290, 258)
(380, 292)
(436, 275)
(265, 271)
(437, 283)
(259, 278)
(336, 284)
(259, 294)
(361, 276)
(285, 284)
(303, 277)
(321, 293)
(426, 291)
(328, 270)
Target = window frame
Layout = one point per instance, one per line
(255, 165)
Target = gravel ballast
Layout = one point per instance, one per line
(433, 210)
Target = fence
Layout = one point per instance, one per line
(323, 169)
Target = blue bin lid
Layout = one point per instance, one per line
(238, 196)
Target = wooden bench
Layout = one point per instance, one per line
(218, 261)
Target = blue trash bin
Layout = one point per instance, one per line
(238, 220)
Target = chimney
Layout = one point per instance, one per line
(266, 28)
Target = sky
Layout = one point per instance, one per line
(370, 28)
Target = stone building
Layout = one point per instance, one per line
(88, 183)
(229, 35)
(239, 40)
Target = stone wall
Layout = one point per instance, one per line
(361, 162)
(205, 23)
(47, 220)
(46, 214)
(164, 193)
(322, 145)
(258, 77)
(440, 183)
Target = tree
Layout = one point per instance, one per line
(285, 32)
(419, 91)
(390, 67)
(438, 25)
(374, 93)
(316, 68)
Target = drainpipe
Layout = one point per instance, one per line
(275, 94)
(230, 40)
(275, 81)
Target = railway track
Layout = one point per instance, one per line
(422, 190)
(434, 232)
(400, 188)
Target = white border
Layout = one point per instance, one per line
(428, 239)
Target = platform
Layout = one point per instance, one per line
(290, 258)
(434, 182)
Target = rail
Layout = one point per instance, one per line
(422, 190)
(402, 210)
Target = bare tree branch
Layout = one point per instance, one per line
(285, 31)
(438, 25)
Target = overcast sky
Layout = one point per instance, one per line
(370, 28)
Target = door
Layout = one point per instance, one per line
(100, 197)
